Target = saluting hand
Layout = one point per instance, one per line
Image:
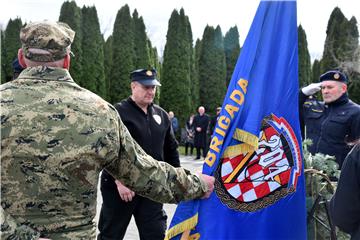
(311, 89)
(125, 193)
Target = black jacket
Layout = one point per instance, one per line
(331, 126)
(345, 204)
(152, 131)
(200, 137)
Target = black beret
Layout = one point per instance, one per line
(145, 77)
(334, 75)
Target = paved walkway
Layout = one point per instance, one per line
(187, 162)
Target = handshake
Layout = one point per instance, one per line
(311, 89)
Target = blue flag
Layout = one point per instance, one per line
(255, 152)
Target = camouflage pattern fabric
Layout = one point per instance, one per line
(54, 37)
(56, 138)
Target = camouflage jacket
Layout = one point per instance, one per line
(56, 138)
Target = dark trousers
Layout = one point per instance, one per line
(204, 152)
(115, 214)
(187, 145)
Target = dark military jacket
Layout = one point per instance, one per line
(152, 130)
(345, 204)
(56, 138)
(331, 126)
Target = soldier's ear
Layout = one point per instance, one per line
(21, 58)
(67, 61)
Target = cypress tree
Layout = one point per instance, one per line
(342, 41)
(315, 71)
(92, 52)
(141, 48)
(195, 85)
(232, 51)
(154, 62)
(123, 55)
(352, 67)
(304, 59)
(11, 46)
(70, 13)
(333, 40)
(154, 57)
(2, 80)
(176, 70)
(108, 57)
(212, 69)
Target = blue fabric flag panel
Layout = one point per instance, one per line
(255, 151)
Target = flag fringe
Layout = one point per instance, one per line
(246, 137)
(188, 224)
(236, 150)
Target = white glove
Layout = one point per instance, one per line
(311, 89)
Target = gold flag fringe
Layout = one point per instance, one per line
(188, 224)
(246, 137)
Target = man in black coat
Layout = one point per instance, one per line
(345, 204)
(150, 126)
(333, 123)
(201, 122)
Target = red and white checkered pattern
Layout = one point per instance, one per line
(255, 181)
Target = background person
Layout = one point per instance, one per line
(17, 68)
(333, 123)
(189, 138)
(345, 204)
(150, 126)
(57, 136)
(201, 122)
(212, 124)
(174, 122)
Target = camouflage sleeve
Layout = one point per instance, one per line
(10, 229)
(156, 180)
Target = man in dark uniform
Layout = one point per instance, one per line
(333, 123)
(345, 204)
(17, 68)
(201, 122)
(150, 126)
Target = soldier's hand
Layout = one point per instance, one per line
(311, 89)
(209, 180)
(125, 193)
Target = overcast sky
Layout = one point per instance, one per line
(313, 15)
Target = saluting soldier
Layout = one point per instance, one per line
(334, 122)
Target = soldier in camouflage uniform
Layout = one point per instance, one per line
(57, 137)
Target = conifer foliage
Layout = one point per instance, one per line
(232, 51)
(11, 43)
(70, 13)
(304, 59)
(190, 75)
(342, 50)
(92, 52)
(122, 55)
(177, 66)
(212, 69)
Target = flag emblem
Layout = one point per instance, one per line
(254, 180)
